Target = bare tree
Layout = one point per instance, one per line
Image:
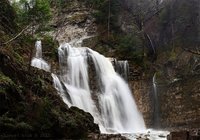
(109, 14)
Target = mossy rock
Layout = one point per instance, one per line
(10, 126)
(75, 123)
(4, 80)
(78, 18)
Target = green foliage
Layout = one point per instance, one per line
(164, 16)
(43, 118)
(7, 85)
(4, 80)
(12, 126)
(35, 12)
(40, 11)
(50, 48)
(7, 19)
(179, 23)
(131, 46)
(102, 13)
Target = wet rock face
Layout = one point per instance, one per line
(180, 103)
(72, 21)
(178, 92)
(141, 86)
(142, 93)
(184, 135)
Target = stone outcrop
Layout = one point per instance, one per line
(142, 89)
(184, 135)
(72, 20)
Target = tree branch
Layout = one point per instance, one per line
(7, 42)
(193, 52)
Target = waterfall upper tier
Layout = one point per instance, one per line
(38, 61)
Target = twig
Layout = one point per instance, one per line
(193, 52)
(16, 36)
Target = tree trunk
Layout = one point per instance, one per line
(109, 13)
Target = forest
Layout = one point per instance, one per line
(100, 69)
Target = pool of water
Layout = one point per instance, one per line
(150, 134)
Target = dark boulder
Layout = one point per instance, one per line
(181, 135)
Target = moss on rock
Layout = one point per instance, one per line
(32, 107)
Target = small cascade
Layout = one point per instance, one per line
(61, 91)
(156, 103)
(115, 110)
(151, 43)
(37, 61)
(122, 67)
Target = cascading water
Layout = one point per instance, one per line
(37, 61)
(74, 75)
(156, 104)
(59, 87)
(119, 111)
(122, 67)
(115, 109)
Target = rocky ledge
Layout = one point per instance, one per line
(184, 135)
(95, 136)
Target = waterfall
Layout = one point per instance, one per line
(151, 43)
(114, 110)
(37, 61)
(74, 75)
(156, 104)
(122, 67)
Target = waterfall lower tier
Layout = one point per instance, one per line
(37, 61)
(114, 109)
(40, 63)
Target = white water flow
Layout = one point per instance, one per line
(58, 86)
(74, 75)
(122, 67)
(156, 104)
(115, 110)
(118, 109)
(37, 61)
